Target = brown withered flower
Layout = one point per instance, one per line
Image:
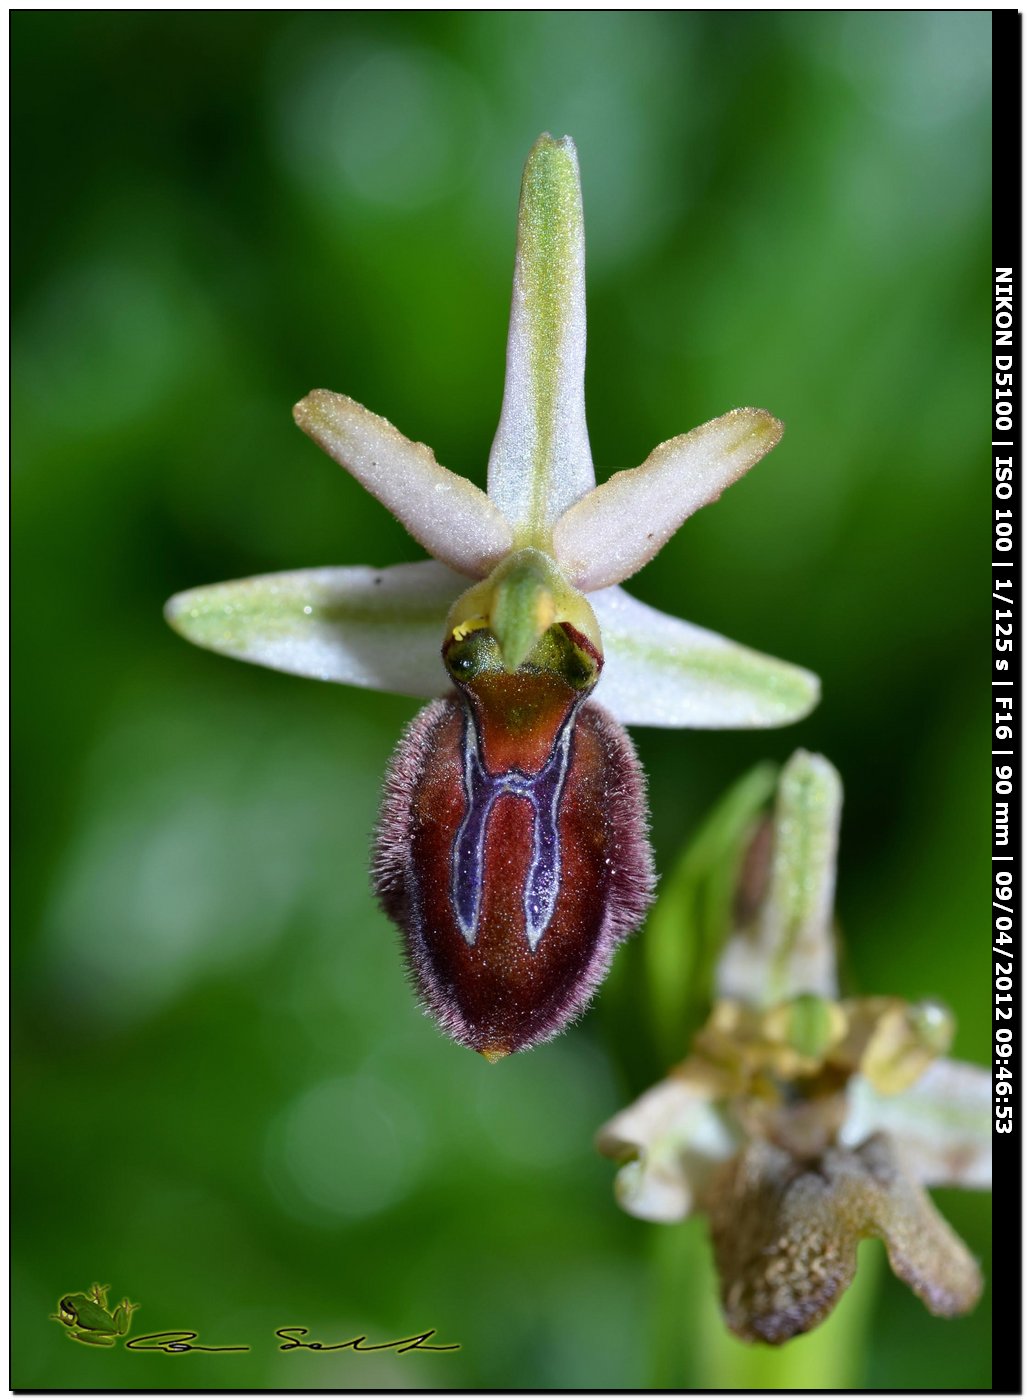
(802, 1123)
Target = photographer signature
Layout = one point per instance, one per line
(87, 1318)
(292, 1339)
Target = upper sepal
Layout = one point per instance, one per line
(541, 462)
(785, 948)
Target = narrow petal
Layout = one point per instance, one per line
(670, 1140)
(785, 1237)
(665, 672)
(446, 513)
(609, 534)
(941, 1126)
(541, 462)
(380, 628)
(788, 949)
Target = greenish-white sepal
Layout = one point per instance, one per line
(540, 461)
(670, 1140)
(789, 948)
(609, 534)
(668, 673)
(451, 517)
(941, 1126)
(379, 628)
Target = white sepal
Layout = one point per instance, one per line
(670, 1141)
(379, 628)
(941, 1126)
(668, 673)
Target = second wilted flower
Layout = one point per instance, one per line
(801, 1122)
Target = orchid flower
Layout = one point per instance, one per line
(801, 1123)
(512, 848)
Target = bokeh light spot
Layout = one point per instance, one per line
(347, 1148)
(398, 127)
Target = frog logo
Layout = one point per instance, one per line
(89, 1320)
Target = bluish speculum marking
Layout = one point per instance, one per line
(543, 791)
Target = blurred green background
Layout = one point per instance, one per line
(226, 1103)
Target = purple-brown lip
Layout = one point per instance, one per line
(511, 850)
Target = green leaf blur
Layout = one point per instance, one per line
(692, 918)
(225, 1103)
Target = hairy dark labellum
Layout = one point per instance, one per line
(511, 849)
